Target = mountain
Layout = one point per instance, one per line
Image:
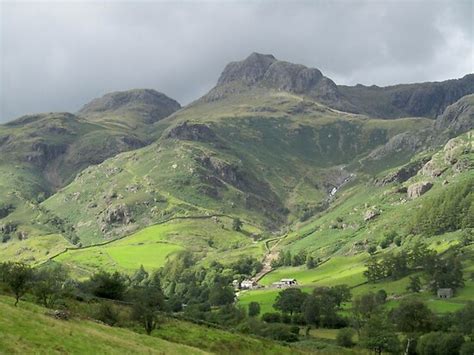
(43, 152)
(264, 145)
(132, 108)
(260, 70)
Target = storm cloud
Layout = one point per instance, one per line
(57, 56)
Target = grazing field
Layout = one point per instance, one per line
(210, 238)
(337, 270)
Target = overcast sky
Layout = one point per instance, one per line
(56, 56)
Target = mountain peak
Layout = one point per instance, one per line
(248, 71)
(149, 104)
(264, 70)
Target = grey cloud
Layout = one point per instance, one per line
(57, 56)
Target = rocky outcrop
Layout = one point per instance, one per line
(5, 210)
(192, 132)
(371, 214)
(423, 100)
(42, 153)
(458, 117)
(404, 173)
(417, 189)
(249, 71)
(118, 214)
(265, 71)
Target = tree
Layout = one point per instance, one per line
(414, 285)
(140, 275)
(312, 310)
(464, 319)
(412, 317)
(363, 307)
(237, 224)
(49, 284)
(467, 348)
(18, 278)
(106, 285)
(310, 263)
(254, 309)
(445, 273)
(290, 300)
(340, 294)
(344, 337)
(372, 249)
(374, 271)
(379, 335)
(221, 295)
(148, 302)
(439, 343)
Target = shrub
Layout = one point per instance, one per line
(107, 314)
(344, 337)
(272, 317)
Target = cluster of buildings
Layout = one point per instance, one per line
(251, 284)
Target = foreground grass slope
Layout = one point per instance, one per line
(27, 329)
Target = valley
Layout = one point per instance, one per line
(276, 173)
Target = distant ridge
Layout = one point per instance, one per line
(428, 99)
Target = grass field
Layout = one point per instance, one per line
(210, 238)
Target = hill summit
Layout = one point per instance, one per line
(149, 105)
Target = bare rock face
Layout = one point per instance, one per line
(291, 77)
(404, 173)
(418, 189)
(249, 71)
(119, 214)
(192, 132)
(458, 117)
(371, 214)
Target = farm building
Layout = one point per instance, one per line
(285, 283)
(248, 284)
(445, 292)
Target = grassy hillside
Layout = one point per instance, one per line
(43, 152)
(341, 237)
(269, 158)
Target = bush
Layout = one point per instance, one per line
(280, 332)
(107, 314)
(254, 309)
(272, 317)
(344, 337)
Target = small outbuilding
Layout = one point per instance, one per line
(283, 283)
(248, 284)
(445, 292)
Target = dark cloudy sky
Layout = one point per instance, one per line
(56, 56)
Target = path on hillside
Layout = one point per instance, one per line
(272, 254)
